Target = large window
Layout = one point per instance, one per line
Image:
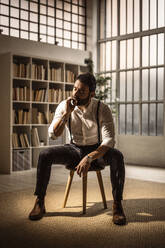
(56, 22)
(131, 49)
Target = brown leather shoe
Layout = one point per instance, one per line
(119, 217)
(38, 211)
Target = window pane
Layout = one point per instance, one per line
(122, 119)
(145, 119)
(129, 86)
(24, 35)
(152, 124)
(14, 32)
(51, 11)
(113, 55)
(160, 119)
(51, 32)
(114, 18)
(160, 83)
(161, 7)
(122, 17)
(145, 85)
(160, 49)
(136, 52)
(108, 56)
(74, 27)
(67, 43)
(129, 16)
(122, 54)
(122, 86)
(24, 25)
(145, 14)
(129, 53)
(102, 15)
(153, 11)
(24, 4)
(5, 20)
(102, 56)
(153, 84)
(4, 10)
(153, 50)
(75, 18)
(50, 40)
(42, 29)
(113, 86)
(108, 18)
(145, 48)
(129, 118)
(33, 27)
(136, 85)
(14, 12)
(14, 23)
(24, 15)
(136, 16)
(136, 119)
(67, 16)
(33, 37)
(14, 3)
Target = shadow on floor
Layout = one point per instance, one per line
(136, 210)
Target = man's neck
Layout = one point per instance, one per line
(83, 107)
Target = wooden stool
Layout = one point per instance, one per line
(84, 188)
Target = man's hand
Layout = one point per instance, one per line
(70, 105)
(83, 166)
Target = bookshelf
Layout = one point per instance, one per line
(31, 89)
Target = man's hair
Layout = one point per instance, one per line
(88, 79)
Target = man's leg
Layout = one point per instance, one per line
(65, 154)
(115, 159)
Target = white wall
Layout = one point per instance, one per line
(33, 48)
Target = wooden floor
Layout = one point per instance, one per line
(26, 179)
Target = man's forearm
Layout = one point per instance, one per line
(60, 125)
(99, 152)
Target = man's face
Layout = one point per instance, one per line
(81, 93)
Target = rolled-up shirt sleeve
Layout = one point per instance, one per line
(58, 114)
(107, 127)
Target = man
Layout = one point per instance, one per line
(88, 123)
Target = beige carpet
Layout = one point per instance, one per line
(144, 206)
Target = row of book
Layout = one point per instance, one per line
(21, 116)
(38, 72)
(21, 93)
(21, 70)
(55, 95)
(55, 74)
(39, 95)
(20, 140)
(70, 76)
(39, 117)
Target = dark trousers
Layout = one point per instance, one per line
(71, 154)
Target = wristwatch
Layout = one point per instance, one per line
(89, 159)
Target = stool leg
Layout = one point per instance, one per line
(100, 180)
(84, 185)
(69, 182)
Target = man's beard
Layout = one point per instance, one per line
(82, 102)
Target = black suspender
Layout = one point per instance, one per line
(98, 125)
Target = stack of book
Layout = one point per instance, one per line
(35, 137)
(21, 70)
(55, 95)
(38, 72)
(39, 95)
(70, 76)
(55, 74)
(20, 140)
(21, 116)
(21, 93)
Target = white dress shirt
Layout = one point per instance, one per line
(84, 124)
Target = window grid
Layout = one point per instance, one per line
(131, 111)
(47, 31)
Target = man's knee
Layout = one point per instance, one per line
(45, 155)
(119, 155)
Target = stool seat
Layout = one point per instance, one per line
(97, 166)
